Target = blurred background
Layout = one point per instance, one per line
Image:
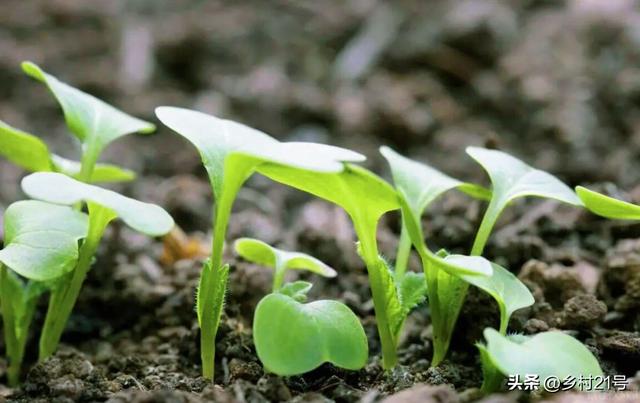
(556, 83)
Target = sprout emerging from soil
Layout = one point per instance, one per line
(231, 153)
(293, 337)
(365, 197)
(40, 247)
(103, 206)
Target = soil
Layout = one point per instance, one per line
(556, 83)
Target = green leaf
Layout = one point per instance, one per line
(511, 179)
(24, 149)
(508, 291)
(393, 306)
(492, 378)
(94, 122)
(412, 291)
(41, 239)
(101, 173)
(545, 354)
(29, 152)
(293, 338)
(264, 254)
(60, 189)
(218, 139)
(608, 207)
(297, 290)
(362, 194)
(417, 186)
(422, 184)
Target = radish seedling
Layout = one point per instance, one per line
(606, 206)
(93, 122)
(293, 337)
(365, 197)
(279, 260)
(103, 206)
(40, 246)
(231, 153)
(548, 354)
(418, 185)
(32, 154)
(510, 179)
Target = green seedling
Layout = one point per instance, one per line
(606, 206)
(231, 153)
(93, 122)
(418, 185)
(280, 260)
(545, 354)
(512, 179)
(365, 197)
(103, 206)
(508, 291)
(293, 337)
(40, 246)
(32, 154)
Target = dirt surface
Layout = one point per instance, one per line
(556, 83)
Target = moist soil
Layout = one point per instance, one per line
(555, 83)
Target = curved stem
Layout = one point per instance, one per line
(486, 226)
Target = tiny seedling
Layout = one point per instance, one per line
(33, 155)
(545, 354)
(293, 337)
(280, 260)
(40, 246)
(103, 206)
(365, 197)
(606, 206)
(93, 122)
(418, 185)
(231, 153)
(511, 179)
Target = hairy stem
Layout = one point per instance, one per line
(369, 250)
(64, 295)
(213, 286)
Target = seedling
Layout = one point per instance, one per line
(292, 337)
(40, 246)
(608, 207)
(545, 354)
(32, 154)
(365, 197)
(103, 206)
(418, 185)
(231, 153)
(280, 260)
(512, 179)
(93, 122)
